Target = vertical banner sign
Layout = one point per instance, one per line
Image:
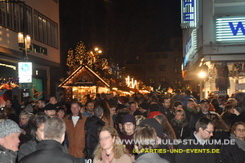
(230, 29)
(188, 13)
(25, 72)
(190, 47)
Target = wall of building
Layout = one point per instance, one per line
(210, 51)
(45, 50)
(159, 69)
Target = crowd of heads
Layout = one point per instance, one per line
(140, 117)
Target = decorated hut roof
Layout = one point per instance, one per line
(84, 76)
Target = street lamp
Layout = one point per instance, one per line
(202, 74)
(24, 42)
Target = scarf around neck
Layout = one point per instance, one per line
(239, 142)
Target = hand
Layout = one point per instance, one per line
(105, 158)
(236, 112)
(23, 132)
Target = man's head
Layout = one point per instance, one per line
(24, 117)
(75, 108)
(191, 104)
(98, 111)
(113, 109)
(90, 106)
(179, 114)
(166, 102)
(9, 135)
(8, 104)
(204, 128)
(54, 129)
(52, 100)
(205, 105)
(38, 126)
(41, 104)
(133, 106)
(50, 110)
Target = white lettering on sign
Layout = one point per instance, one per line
(188, 13)
(230, 29)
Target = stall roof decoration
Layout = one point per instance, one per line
(75, 74)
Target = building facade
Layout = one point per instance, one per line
(40, 21)
(214, 45)
(160, 69)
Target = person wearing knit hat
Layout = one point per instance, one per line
(9, 140)
(129, 124)
(128, 118)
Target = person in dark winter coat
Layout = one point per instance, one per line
(198, 140)
(9, 141)
(236, 152)
(215, 103)
(92, 127)
(190, 109)
(204, 112)
(50, 149)
(165, 107)
(180, 124)
(221, 130)
(230, 115)
(26, 127)
(31, 146)
(129, 125)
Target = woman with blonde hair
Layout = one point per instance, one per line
(110, 149)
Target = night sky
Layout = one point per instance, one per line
(123, 29)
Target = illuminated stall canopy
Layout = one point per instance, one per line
(84, 81)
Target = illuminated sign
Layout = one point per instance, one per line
(131, 83)
(25, 72)
(190, 47)
(230, 29)
(188, 13)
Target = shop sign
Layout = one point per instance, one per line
(190, 47)
(25, 72)
(189, 13)
(230, 29)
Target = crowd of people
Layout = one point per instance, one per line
(140, 128)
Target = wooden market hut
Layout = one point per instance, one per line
(84, 81)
